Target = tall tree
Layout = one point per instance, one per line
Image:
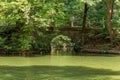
(85, 15)
(109, 18)
(84, 21)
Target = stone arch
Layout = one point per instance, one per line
(61, 42)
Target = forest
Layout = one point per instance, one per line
(59, 39)
(35, 25)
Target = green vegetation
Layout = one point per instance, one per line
(45, 27)
(30, 25)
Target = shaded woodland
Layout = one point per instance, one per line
(36, 26)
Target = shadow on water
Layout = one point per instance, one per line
(56, 73)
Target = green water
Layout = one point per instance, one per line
(61, 68)
(112, 63)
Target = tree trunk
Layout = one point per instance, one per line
(84, 22)
(72, 21)
(85, 15)
(109, 17)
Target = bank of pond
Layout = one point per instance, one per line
(84, 52)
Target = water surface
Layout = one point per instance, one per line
(105, 62)
(60, 68)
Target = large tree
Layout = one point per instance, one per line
(110, 4)
(21, 18)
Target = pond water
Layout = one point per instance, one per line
(60, 68)
(105, 62)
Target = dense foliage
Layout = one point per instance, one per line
(23, 22)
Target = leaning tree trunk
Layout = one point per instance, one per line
(84, 23)
(109, 18)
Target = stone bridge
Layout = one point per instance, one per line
(74, 33)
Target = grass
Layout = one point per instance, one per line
(60, 68)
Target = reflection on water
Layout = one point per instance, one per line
(103, 62)
(62, 50)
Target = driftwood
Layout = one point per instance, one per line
(101, 51)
